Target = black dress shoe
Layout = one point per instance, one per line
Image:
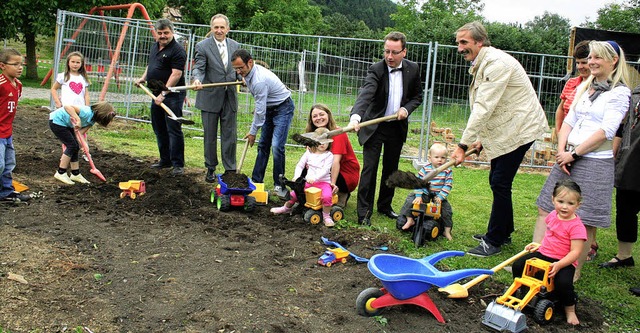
(160, 165)
(389, 213)
(364, 221)
(211, 176)
(617, 263)
(635, 291)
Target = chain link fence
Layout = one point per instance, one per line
(317, 69)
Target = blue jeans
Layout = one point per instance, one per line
(503, 171)
(7, 164)
(169, 132)
(273, 138)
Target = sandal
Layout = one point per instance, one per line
(593, 252)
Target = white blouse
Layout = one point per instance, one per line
(605, 113)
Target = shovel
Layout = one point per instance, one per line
(326, 241)
(244, 154)
(172, 115)
(206, 85)
(85, 147)
(457, 290)
(314, 139)
(408, 180)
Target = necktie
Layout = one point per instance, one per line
(223, 53)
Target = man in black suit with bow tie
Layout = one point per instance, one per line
(392, 86)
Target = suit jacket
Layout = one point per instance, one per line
(374, 94)
(209, 68)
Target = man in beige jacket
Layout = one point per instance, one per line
(506, 118)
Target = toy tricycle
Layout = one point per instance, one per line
(132, 188)
(534, 289)
(310, 200)
(225, 198)
(406, 281)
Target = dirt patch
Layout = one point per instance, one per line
(235, 180)
(169, 261)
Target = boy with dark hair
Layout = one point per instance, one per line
(10, 92)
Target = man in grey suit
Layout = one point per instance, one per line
(213, 65)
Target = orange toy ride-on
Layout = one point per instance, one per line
(310, 201)
(534, 289)
(132, 188)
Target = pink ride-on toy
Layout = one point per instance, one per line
(406, 281)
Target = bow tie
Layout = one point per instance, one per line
(395, 70)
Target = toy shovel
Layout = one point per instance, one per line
(326, 241)
(457, 290)
(85, 147)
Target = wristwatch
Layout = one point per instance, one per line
(574, 155)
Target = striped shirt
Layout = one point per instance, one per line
(440, 185)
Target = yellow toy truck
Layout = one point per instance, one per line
(333, 255)
(534, 289)
(428, 225)
(132, 188)
(310, 201)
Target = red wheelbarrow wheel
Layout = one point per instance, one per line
(364, 300)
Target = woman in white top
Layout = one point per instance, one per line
(585, 150)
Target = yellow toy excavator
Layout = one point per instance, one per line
(535, 289)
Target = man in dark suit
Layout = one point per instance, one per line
(213, 65)
(392, 86)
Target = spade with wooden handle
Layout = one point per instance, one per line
(313, 139)
(206, 85)
(457, 290)
(172, 115)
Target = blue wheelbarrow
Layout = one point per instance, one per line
(406, 281)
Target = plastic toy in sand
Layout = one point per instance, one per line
(132, 188)
(407, 280)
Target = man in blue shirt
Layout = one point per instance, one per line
(273, 113)
(167, 60)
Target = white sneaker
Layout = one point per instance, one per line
(79, 179)
(63, 177)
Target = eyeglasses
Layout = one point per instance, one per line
(387, 52)
(17, 64)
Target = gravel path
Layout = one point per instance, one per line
(28, 92)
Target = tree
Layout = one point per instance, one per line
(615, 17)
(285, 16)
(436, 20)
(339, 25)
(30, 18)
(374, 13)
(549, 34)
(292, 16)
